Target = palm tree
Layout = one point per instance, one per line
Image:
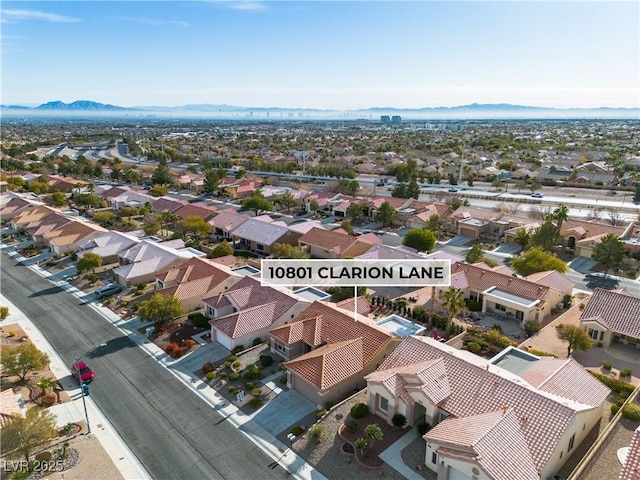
(560, 215)
(453, 302)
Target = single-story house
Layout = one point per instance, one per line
(259, 236)
(612, 317)
(334, 245)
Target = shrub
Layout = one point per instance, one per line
(539, 353)
(43, 456)
(141, 286)
(49, 399)
(198, 319)
(297, 430)
(231, 358)
(231, 389)
(189, 342)
(473, 305)
(473, 347)
(423, 428)
(321, 413)
(223, 374)
(255, 402)
(256, 392)
(237, 364)
(266, 360)
(359, 410)
(614, 384)
(234, 376)
(316, 433)
(351, 425)
(211, 375)
(614, 409)
(171, 348)
(207, 367)
(399, 420)
(237, 349)
(283, 379)
(625, 373)
(249, 385)
(532, 327)
(631, 411)
(93, 278)
(600, 344)
(251, 372)
(607, 365)
(227, 364)
(256, 342)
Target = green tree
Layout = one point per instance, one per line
(347, 227)
(133, 176)
(373, 432)
(532, 327)
(453, 302)
(105, 218)
(222, 249)
(257, 203)
(23, 435)
(609, 252)
(166, 219)
(385, 215)
(128, 212)
(4, 312)
(636, 193)
(314, 206)
(162, 174)
(560, 215)
(89, 261)
(575, 336)
(355, 210)
(399, 191)
(434, 224)
(158, 190)
(342, 293)
(287, 201)
(159, 309)
(352, 188)
(59, 199)
(150, 228)
(545, 236)
(421, 239)
(413, 189)
(22, 360)
(196, 225)
(474, 254)
(537, 260)
(211, 181)
(522, 238)
(283, 250)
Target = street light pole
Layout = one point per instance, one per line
(85, 392)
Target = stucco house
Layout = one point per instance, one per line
(329, 352)
(327, 244)
(245, 311)
(259, 236)
(516, 416)
(612, 317)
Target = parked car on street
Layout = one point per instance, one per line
(537, 195)
(82, 372)
(108, 290)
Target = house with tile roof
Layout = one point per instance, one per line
(146, 259)
(14, 205)
(583, 235)
(612, 317)
(246, 311)
(194, 280)
(69, 236)
(108, 245)
(258, 236)
(168, 204)
(386, 252)
(516, 416)
(508, 295)
(631, 468)
(320, 196)
(327, 244)
(196, 210)
(474, 222)
(419, 217)
(330, 350)
(225, 222)
(38, 221)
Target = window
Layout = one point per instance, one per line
(383, 404)
(473, 297)
(279, 347)
(571, 442)
(502, 308)
(593, 334)
(259, 247)
(434, 458)
(519, 315)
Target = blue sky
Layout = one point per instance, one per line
(320, 54)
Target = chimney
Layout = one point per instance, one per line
(504, 409)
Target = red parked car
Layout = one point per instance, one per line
(82, 372)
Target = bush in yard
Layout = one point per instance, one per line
(234, 376)
(473, 347)
(614, 384)
(316, 433)
(351, 425)
(237, 349)
(249, 385)
(631, 411)
(399, 420)
(256, 342)
(255, 402)
(614, 409)
(256, 392)
(321, 413)
(190, 342)
(211, 375)
(297, 430)
(208, 367)
(237, 364)
(93, 278)
(231, 389)
(198, 319)
(607, 365)
(251, 372)
(141, 286)
(171, 348)
(359, 410)
(625, 373)
(266, 360)
(223, 374)
(423, 428)
(231, 358)
(227, 364)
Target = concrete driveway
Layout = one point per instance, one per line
(283, 411)
(460, 241)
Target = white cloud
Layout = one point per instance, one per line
(244, 5)
(17, 15)
(155, 21)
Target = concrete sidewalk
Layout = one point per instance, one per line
(268, 443)
(73, 411)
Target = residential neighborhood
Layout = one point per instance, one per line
(525, 365)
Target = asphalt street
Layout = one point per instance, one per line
(173, 432)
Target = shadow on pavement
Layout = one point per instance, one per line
(594, 281)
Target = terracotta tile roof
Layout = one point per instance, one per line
(322, 323)
(168, 204)
(248, 320)
(193, 210)
(566, 378)
(72, 232)
(586, 229)
(631, 468)
(481, 279)
(228, 221)
(478, 387)
(227, 260)
(330, 364)
(349, 304)
(387, 252)
(195, 269)
(197, 289)
(482, 439)
(395, 202)
(614, 311)
(335, 242)
(28, 217)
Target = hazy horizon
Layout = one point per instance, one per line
(322, 55)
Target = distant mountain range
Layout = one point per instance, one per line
(473, 111)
